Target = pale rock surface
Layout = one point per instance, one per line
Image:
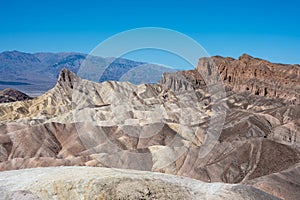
(106, 183)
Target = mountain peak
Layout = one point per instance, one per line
(67, 78)
(65, 73)
(245, 57)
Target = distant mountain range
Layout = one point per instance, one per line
(36, 73)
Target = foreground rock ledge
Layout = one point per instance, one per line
(107, 183)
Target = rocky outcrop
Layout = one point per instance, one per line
(259, 77)
(253, 75)
(105, 183)
(11, 95)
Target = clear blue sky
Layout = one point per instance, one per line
(266, 29)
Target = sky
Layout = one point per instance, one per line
(264, 29)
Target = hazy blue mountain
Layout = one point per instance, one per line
(71, 62)
(38, 72)
(15, 65)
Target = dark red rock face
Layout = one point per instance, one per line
(260, 77)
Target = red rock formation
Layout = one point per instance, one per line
(260, 77)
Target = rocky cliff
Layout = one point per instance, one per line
(256, 76)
